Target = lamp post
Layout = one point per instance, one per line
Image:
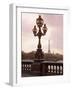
(40, 22)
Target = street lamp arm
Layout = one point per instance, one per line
(43, 34)
(35, 35)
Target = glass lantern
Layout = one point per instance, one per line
(44, 29)
(39, 21)
(34, 30)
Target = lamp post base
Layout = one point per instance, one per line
(39, 54)
(37, 65)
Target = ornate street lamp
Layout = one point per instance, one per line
(39, 21)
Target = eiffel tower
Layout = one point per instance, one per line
(49, 47)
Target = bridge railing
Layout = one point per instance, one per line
(26, 66)
(52, 68)
(46, 68)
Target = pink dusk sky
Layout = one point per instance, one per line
(54, 24)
